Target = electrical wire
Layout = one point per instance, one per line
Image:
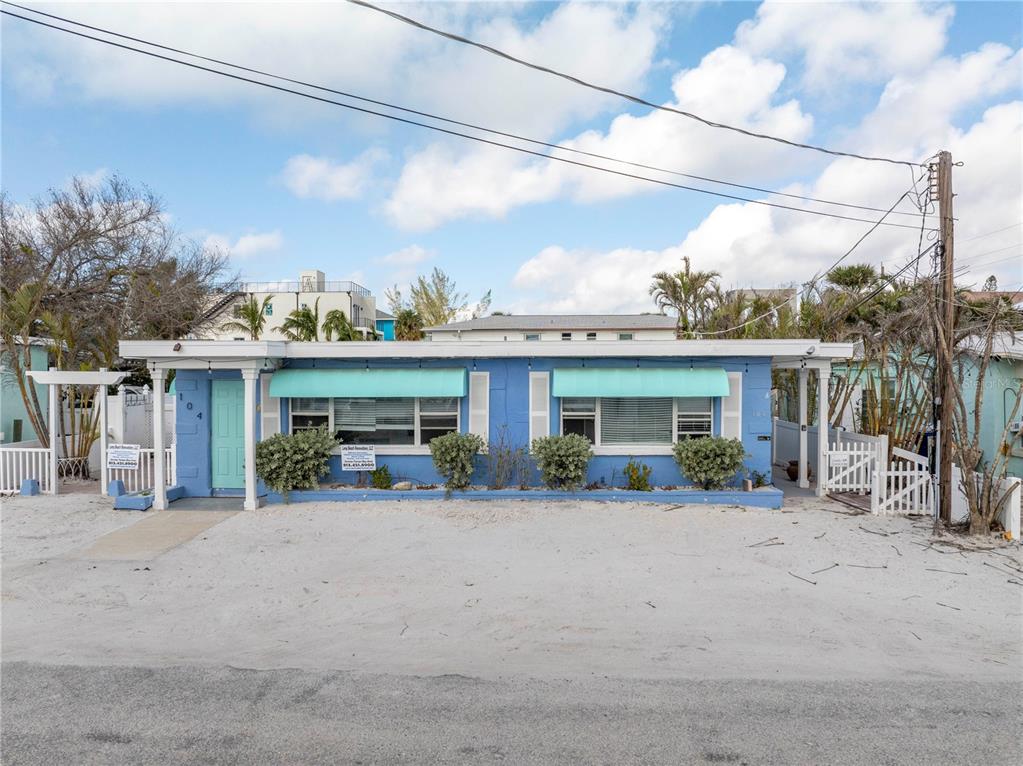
(809, 285)
(627, 96)
(996, 231)
(992, 252)
(505, 134)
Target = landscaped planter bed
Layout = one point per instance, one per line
(763, 497)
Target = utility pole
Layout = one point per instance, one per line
(947, 317)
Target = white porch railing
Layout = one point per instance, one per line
(20, 463)
(142, 477)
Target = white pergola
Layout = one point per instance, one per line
(53, 378)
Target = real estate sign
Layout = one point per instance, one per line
(356, 457)
(123, 456)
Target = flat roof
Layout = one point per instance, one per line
(192, 353)
(561, 322)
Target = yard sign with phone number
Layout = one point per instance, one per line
(356, 457)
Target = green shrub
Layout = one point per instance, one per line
(711, 461)
(454, 457)
(562, 460)
(380, 478)
(294, 461)
(758, 478)
(638, 476)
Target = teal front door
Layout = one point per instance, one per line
(227, 442)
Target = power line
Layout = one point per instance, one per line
(473, 126)
(620, 94)
(972, 266)
(992, 252)
(996, 231)
(447, 131)
(809, 285)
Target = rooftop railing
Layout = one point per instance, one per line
(330, 286)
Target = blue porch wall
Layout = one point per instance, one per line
(509, 414)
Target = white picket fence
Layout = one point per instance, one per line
(142, 477)
(20, 463)
(905, 487)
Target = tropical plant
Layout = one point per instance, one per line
(710, 461)
(454, 456)
(294, 461)
(436, 299)
(250, 318)
(380, 477)
(505, 463)
(637, 476)
(337, 326)
(408, 325)
(562, 460)
(302, 324)
(688, 293)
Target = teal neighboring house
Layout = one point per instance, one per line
(15, 425)
(1001, 387)
(385, 325)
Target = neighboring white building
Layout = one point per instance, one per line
(353, 299)
(561, 327)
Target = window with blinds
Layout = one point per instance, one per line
(375, 421)
(380, 422)
(635, 421)
(695, 417)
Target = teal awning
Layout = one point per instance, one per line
(374, 384)
(640, 382)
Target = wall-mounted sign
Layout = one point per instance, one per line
(356, 457)
(125, 456)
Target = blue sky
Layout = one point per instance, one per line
(286, 185)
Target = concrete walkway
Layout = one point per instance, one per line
(152, 536)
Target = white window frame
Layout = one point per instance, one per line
(531, 336)
(626, 336)
(632, 449)
(591, 336)
(416, 448)
(566, 336)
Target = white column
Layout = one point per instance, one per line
(54, 405)
(251, 379)
(804, 480)
(104, 420)
(159, 477)
(823, 376)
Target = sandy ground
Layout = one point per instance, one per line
(500, 589)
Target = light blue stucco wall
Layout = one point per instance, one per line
(1001, 385)
(12, 406)
(509, 412)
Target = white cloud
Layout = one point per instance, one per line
(350, 48)
(442, 183)
(247, 245)
(401, 265)
(845, 42)
(322, 178)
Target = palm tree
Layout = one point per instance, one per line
(689, 293)
(408, 325)
(250, 318)
(337, 323)
(302, 324)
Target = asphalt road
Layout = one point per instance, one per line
(204, 715)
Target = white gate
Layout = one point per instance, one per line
(851, 467)
(142, 477)
(906, 486)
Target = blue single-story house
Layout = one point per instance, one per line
(632, 399)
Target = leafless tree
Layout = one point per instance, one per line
(88, 264)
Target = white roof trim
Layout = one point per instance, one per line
(166, 352)
(76, 377)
